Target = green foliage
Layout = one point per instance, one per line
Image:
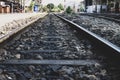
(56, 9)
(112, 5)
(31, 5)
(45, 9)
(50, 6)
(68, 10)
(60, 6)
(81, 8)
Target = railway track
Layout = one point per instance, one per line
(53, 50)
(111, 17)
(107, 29)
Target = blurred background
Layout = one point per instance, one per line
(89, 6)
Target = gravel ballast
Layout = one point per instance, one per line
(107, 29)
(54, 35)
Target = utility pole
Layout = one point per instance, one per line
(11, 2)
(96, 6)
(64, 5)
(107, 6)
(23, 5)
(74, 7)
(12, 6)
(100, 6)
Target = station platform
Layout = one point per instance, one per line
(12, 23)
(7, 18)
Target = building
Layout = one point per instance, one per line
(32, 5)
(18, 6)
(9, 6)
(37, 6)
(4, 7)
(101, 6)
(76, 5)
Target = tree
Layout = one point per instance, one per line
(81, 8)
(45, 9)
(56, 9)
(60, 6)
(50, 6)
(31, 5)
(69, 10)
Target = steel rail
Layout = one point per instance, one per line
(42, 51)
(95, 36)
(49, 62)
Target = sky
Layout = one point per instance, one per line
(56, 2)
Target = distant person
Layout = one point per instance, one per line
(117, 7)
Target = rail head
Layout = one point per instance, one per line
(95, 36)
(49, 62)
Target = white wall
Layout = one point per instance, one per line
(91, 9)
